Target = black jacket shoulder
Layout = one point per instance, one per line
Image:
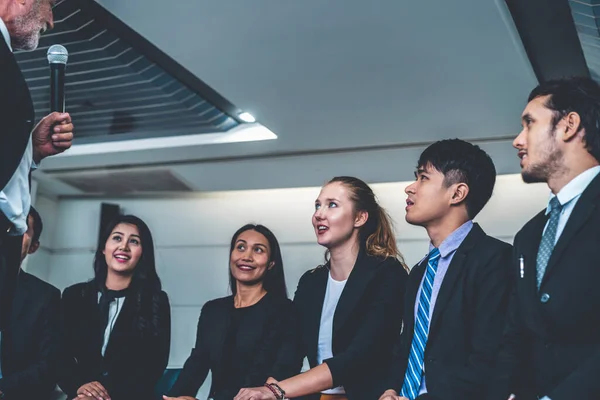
(40, 286)
(388, 265)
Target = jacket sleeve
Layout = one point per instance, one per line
(583, 383)
(41, 374)
(196, 366)
(71, 374)
(381, 325)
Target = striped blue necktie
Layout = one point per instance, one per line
(548, 240)
(414, 370)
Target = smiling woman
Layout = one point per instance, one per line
(117, 327)
(250, 336)
(350, 309)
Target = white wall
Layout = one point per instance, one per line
(192, 236)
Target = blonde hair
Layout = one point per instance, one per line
(377, 234)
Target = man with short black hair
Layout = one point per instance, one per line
(29, 345)
(456, 297)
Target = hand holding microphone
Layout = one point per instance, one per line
(54, 133)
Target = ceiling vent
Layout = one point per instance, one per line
(111, 182)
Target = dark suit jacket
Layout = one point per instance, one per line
(551, 345)
(467, 321)
(366, 322)
(269, 339)
(16, 112)
(30, 344)
(137, 352)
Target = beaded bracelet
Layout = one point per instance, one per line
(270, 387)
(281, 391)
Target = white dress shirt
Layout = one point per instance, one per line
(15, 198)
(569, 195)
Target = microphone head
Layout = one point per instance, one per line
(57, 54)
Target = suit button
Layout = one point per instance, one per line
(431, 360)
(547, 345)
(545, 297)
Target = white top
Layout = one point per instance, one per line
(569, 195)
(114, 308)
(15, 198)
(332, 296)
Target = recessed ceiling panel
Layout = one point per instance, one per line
(586, 14)
(119, 85)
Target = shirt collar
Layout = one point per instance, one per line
(5, 34)
(574, 188)
(451, 243)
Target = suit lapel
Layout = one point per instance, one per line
(529, 250)
(314, 307)
(359, 279)
(579, 216)
(455, 270)
(412, 288)
(527, 285)
(122, 325)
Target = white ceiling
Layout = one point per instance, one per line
(349, 86)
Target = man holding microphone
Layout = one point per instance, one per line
(22, 146)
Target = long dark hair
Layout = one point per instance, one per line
(274, 278)
(377, 235)
(145, 284)
(144, 274)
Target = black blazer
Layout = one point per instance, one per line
(551, 346)
(30, 343)
(135, 358)
(269, 339)
(16, 112)
(366, 322)
(467, 321)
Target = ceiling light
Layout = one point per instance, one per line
(247, 117)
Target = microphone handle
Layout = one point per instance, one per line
(57, 87)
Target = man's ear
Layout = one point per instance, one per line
(572, 126)
(461, 192)
(34, 247)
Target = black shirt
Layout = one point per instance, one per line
(241, 347)
(236, 355)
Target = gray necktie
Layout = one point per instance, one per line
(548, 240)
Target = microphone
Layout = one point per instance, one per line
(57, 58)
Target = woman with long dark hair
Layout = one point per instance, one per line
(117, 327)
(250, 336)
(350, 309)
